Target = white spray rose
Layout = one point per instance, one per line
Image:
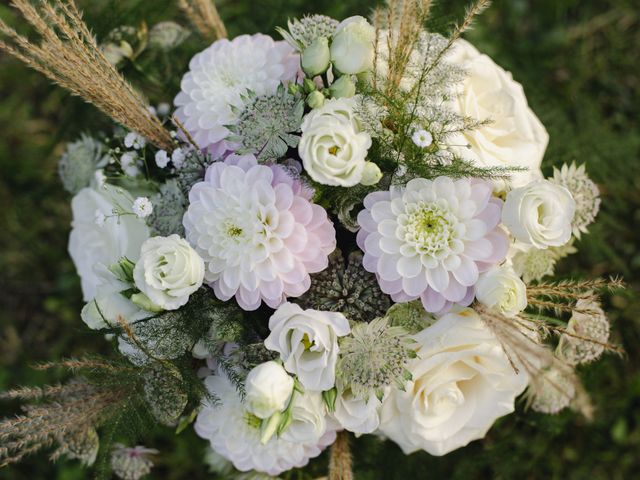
(168, 271)
(308, 418)
(268, 389)
(357, 415)
(316, 57)
(502, 289)
(462, 382)
(96, 245)
(515, 136)
(307, 341)
(352, 48)
(540, 214)
(334, 147)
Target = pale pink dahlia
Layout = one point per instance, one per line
(257, 232)
(431, 239)
(211, 96)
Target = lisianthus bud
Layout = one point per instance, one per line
(371, 174)
(315, 99)
(268, 389)
(316, 57)
(352, 49)
(343, 88)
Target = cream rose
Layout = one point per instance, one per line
(352, 48)
(307, 341)
(502, 289)
(540, 214)
(168, 271)
(96, 245)
(462, 382)
(333, 147)
(268, 389)
(515, 137)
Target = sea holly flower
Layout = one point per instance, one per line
(431, 239)
(258, 233)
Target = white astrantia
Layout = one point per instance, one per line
(168, 271)
(307, 341)
(235, 433)
(584, 192)
(502, 289)
(462, 381)
(515, 137)
(552, 390)
(268, 388)
(334, 145)
(587, 333)
(422, 138)
(539, 214)
(93, 246)
(212, 92)
(142, 207)
(352, 47)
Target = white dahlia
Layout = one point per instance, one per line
(257, 232)
(212, 91)
(431, 239)
(585, 193)
(235, 434)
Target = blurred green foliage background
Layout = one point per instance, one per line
(578, 61)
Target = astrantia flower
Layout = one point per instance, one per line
(235, 434)
(585, 193)
(552, 390)
(212, 90)
(79, 163)
(373, 357)
(431, 239)
(587, 333)
(346, 288)
(257, 232)
(303, 32)
(131, 463)
(534, 264)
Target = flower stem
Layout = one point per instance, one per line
(340, 461)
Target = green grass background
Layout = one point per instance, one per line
(579, 63)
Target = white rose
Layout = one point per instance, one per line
(357, 415)
(515, 136)
(540, 214)
(93, 245)
(268, 389)
(502, 289)
(352, 48)
(462, 382)
(307, 341)
(168, 271)
(333, 147)
(308, 418)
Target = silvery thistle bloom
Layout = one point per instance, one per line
(258, 233)
(212, 90)
(235, 434)
(432, 239)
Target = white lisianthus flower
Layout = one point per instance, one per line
(235, 433)
(357, 415)
(515, 137)
(168, 271)
(307, 341)
(352, 48)
(540, 214)
(502, 289)
(462, 382)
(334, 146)
(268, 389)
(93, 246)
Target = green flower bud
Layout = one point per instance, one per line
(142, 301)
(343, 87)
(315, 99)
(371, 174)
(316, 57)
(308, 85)
(270, 427)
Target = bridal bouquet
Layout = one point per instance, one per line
(346, 230)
